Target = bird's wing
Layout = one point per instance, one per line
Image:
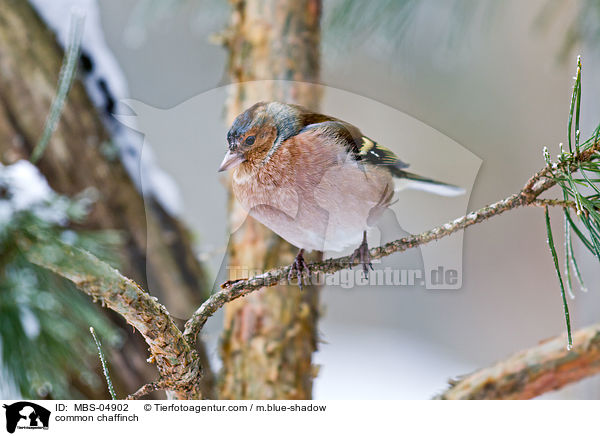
(363, 149)
(360, 147)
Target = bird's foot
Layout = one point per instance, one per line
(363, 256)
(299, 267)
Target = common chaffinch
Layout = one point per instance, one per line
(315, 180)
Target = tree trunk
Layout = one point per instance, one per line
(157, 246)
(270, 335)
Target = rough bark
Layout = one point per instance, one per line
(269, 336)
(177, 363)
(30, 60)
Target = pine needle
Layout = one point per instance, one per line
(66, 76)
(560, 280)
(111, 389)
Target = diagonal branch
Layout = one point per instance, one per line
(528, 195)
(530, 373)
(177, 363)
(234, 289)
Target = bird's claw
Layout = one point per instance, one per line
(299, 267)
(364, 257)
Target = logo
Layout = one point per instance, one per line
(26, 415)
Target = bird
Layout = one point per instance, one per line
(315, 180)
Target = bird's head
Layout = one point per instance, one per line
(257, 133)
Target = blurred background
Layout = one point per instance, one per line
(492, 78)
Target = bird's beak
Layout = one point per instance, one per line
(231, 160)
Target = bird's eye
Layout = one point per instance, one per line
(250, 140)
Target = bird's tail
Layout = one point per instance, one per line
(408, 180)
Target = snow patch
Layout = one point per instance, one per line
(23, 187)
(29, 322)
(106, 85)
